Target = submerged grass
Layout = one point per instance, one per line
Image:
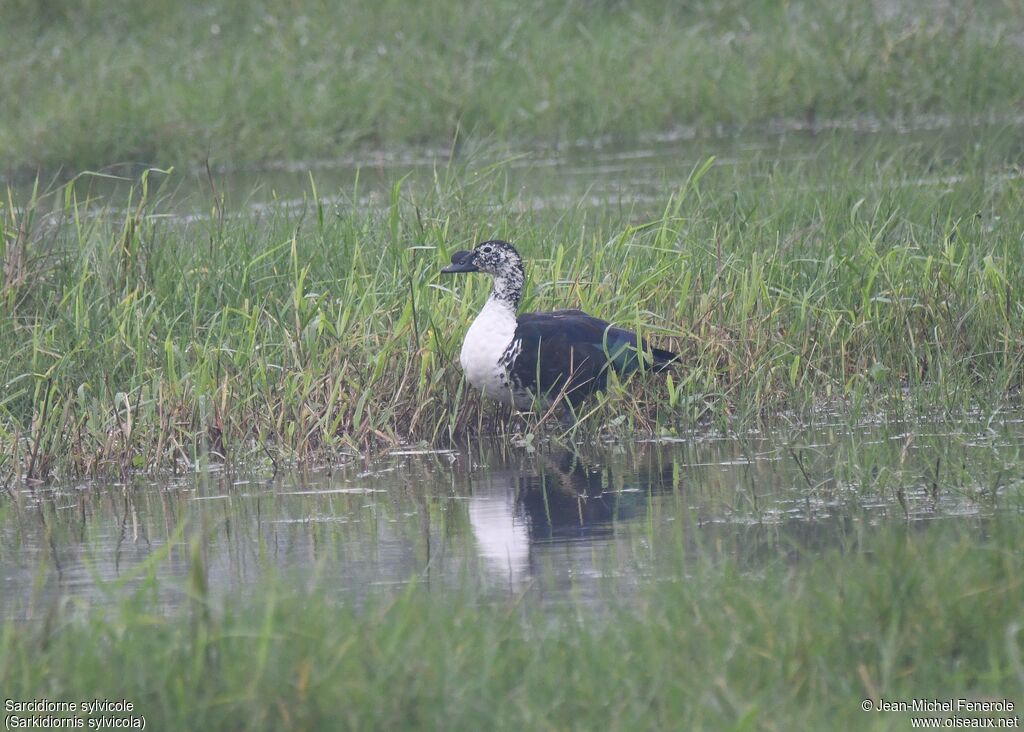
(137, 340)
(797, 644)
(117, 81)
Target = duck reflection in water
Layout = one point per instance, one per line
(555, 502)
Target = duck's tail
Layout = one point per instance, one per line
(626, 352)
(627, 359)
(663, 360)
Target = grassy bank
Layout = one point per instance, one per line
(95, 83)
(883, 279)
(897, 613)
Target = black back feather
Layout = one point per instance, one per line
(572, 351)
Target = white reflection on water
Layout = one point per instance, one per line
(561, 523)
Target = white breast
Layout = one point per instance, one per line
(486, 340)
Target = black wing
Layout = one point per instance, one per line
(571, 351)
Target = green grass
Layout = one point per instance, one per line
(791, 644)
(93, 83)
(137, 341)
(882, 276)
(877, 275)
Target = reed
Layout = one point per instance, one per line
(137, 340)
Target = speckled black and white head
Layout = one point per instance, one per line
(498, 259)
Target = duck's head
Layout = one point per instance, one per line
(495, 257)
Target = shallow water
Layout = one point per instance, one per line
(560, 524)
(583, 173)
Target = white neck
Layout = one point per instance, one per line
(508, 288)
(499, 316)
(500, 302)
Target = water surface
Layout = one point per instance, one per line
(579, 523)
(600, 172)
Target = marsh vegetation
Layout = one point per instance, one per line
(245, 485)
